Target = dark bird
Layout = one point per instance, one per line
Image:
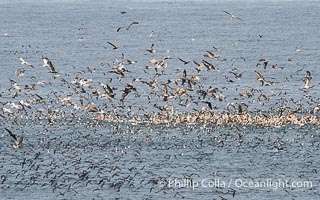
(17, 143)
(208, 104)
(152, 50)
(184, 62)
(237, 76)
(263, 62)
(232, 16)
(11, 134)
(118, 29)
(114, 47)
(53, 69)
(133, 23)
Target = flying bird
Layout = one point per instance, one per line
(17, 143)
(184, 62)
(211, 55)
(308, 79)
(20, 72)
(23, 62)
(133, 23)
(260, 78)
(45, 61)
(11, 134)
(152, 50)
(118, 29)
(232, 16)
(263, 62)
(114, 47)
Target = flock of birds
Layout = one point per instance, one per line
(123, 92)
(158, 96)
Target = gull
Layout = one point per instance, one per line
(211, 55)
(114, 47)
(199, 66)
(23, 62)
(48, 63)
(316, 109)
(232, 16)
(15, 85)
(152, 50)
(208, 65)
(264, 63)
(260, 78)
(20, 72)
(131, 25)
(151, 33)
(53, 70)
(263, 82)
(308, 79)
(45, 61)
(17, 143)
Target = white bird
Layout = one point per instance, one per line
(48, 63)
(45, 61)
(232, 16)
(23, 62)
(308, 79)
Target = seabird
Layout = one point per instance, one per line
(184, 62)
(17, 143)
(264, 63)
(45, 61)
(23, 62)
(20, 72)
(131, 25)
(211, 55)
(118, 29)
(237, 76)
(208, 65)
(260, 78)
(151, 33)
(11, 134)
(232, 16)
(308, 79)
(152, 50)
(114, 47)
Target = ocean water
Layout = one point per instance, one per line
(75, 157)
